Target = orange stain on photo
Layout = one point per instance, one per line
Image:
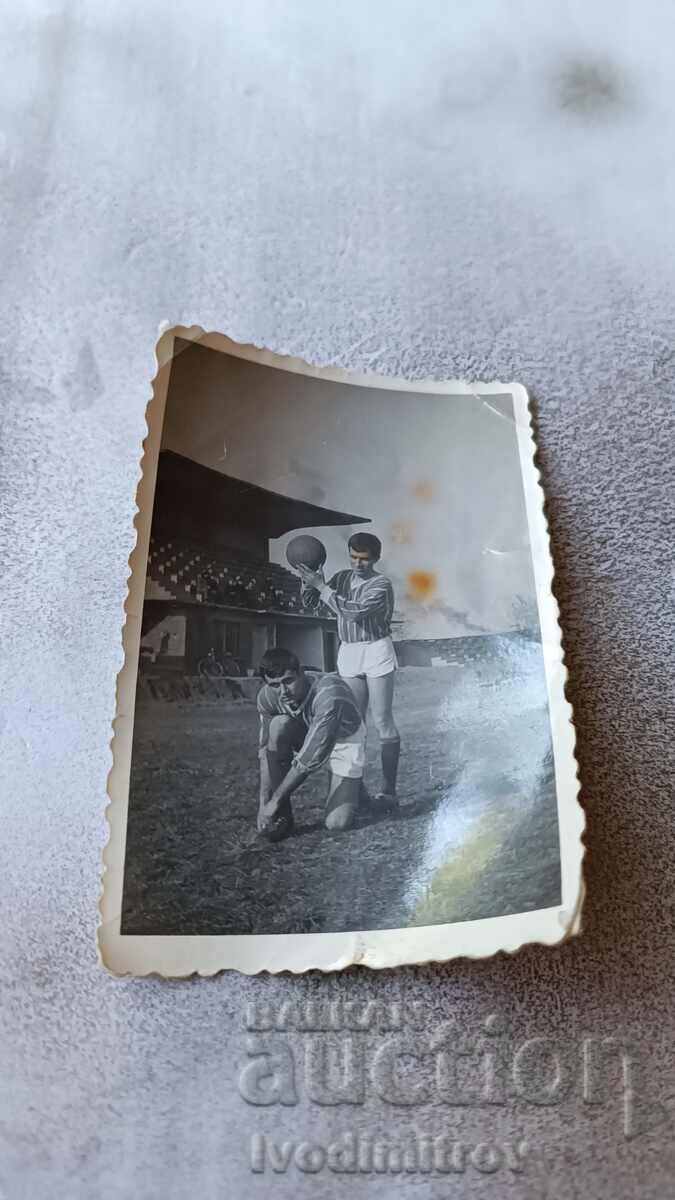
(421, 585)
(424, 490)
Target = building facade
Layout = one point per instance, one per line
(211, 588)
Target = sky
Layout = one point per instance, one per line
(438, 476)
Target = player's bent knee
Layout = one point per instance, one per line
(340, 817)
(387, 730)
(280, 733)
(342, 802)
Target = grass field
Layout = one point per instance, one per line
(476, 834)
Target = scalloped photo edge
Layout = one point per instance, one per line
(181, 955)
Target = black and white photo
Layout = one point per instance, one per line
(342, 714)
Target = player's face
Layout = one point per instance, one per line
(290, 686)
(362, 561)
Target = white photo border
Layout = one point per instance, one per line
(178, 956)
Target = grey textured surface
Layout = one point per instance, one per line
(416, 189)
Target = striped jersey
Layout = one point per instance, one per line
(329, 712)
(363, 607)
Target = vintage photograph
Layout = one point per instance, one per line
(348, 711)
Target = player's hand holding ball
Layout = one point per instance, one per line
(313, 579)
(307, 555)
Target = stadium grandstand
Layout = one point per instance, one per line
(211, 587)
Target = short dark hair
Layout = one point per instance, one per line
(276, 661)
(366, 543)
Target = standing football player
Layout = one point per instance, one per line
(363, 602)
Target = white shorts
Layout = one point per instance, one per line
(366, 658)
(349, 757)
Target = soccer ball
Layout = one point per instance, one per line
(307, 550)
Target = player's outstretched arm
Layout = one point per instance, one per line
(311, 583)
(309, 597)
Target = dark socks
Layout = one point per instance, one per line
(390, 750)
(278, 766)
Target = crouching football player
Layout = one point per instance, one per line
(305, 723)
(363, 602)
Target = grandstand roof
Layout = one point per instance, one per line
(257, 508)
